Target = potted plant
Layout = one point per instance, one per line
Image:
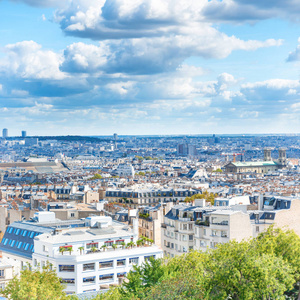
(104, 247)
(114, 246)
(62, 250)
(70, 249)
(123, 244)
(94, 249)
(81, 249)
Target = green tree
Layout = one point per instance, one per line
(114, 246)
(36, 285)
(70, 249)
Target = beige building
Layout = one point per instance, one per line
(6, 273)
(190, 227)
(150, 219)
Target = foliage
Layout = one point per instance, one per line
(144, 216)
(96, 176)
(218, 170)
(36, 285)
(267, 267)
(140, 173)
(209, 197)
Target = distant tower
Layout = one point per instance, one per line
(267, 154)
(5, 133)
(24, 134)
(115, 136)
(282, 156)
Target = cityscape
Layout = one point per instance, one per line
(149, 150)
(160, 196)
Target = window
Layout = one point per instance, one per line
(106, 277)
(190, 226)
(184, 238)
(184, 226)
(35, 262)
(148, 257)
(121, 275)
(17, 231)
(72, 215)
(89, 267)
(108, 243)
(106, 264)
(26, 247)
(119, 242)
(24, 232)
(257, 228)
(87, 280)
(176, 236)
(31, 234)
(68, 280)
(19, 245)
(1, 273)
(2, 286)
(91, 245)
(45, 248)
(133, 260)
(121, 262)
(202, 243)
(9, 230)
(224, 234)
(12, 242)
(66, 268)
(191, 237)
(214, 232)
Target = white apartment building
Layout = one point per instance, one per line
(75, 249)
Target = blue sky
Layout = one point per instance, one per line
(95, 67)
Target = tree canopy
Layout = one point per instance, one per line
(267, 267)
(36, 285)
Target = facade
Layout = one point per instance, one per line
(150, 219)
(124, 170)
(147, 196)
(6, 273)
(88, 266)
(194, 227)
(24, 134)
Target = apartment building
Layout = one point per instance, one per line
(135, 197)
(150, 219)
(92, 262)
(191, 227)
(6, 273)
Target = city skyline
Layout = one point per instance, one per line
(149, 68)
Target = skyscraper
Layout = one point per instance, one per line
(24, 134)
(5, 133)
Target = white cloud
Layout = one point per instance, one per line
(27, 60)
(295, 55)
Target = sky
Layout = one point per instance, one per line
(149, 67)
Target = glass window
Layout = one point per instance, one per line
(68, 280)
(106, 277)
(17, 231)
(24, 232)
(12, 243)
(1, 273)
(91, 245)
(121, 262)
(31, 234)
(148, 257)
(133, 260)
(121, 275)
(26, 247)
(91, 279)
(20, 244)
(89, 267)
(66, 268)
(106, 264)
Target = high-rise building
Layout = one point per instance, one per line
(115, 136)
(5, 133)
(186, 149)
(24, 134)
